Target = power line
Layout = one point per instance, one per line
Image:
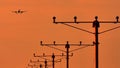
(109, 29)
(78, 28)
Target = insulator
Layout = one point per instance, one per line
(54, 42)
(117, 19)
(75, 19)
(41, 42)
(54, 19)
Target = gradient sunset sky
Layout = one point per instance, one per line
(21, 33)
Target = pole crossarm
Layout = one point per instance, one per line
(54, 44)
(87, 22)
(53, 56)
(96, 17)
(38, 61)
(34, 65)
(40, 65)
(96, 20)
(40, 56)
(47, 55)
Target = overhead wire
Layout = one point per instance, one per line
(79, 28)
(78, 49)
(56, 48)
(110, 29)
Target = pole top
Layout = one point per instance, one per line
(67, 45)
(75, 17)
(96, 17)
(67, 42)
(117, 17)
(53, 56)
(41, 43)
(54, 17)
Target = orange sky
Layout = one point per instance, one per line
(21, 33)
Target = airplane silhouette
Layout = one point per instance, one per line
(19, 11)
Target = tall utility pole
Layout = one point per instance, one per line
(67, 46)
(96, 25)
(52, 56)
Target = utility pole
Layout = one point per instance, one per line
(96, 25)
(41, 66)
(38, 61)
(52, 56)
(67, 46)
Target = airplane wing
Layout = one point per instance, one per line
(22, 11)
(14, 11)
